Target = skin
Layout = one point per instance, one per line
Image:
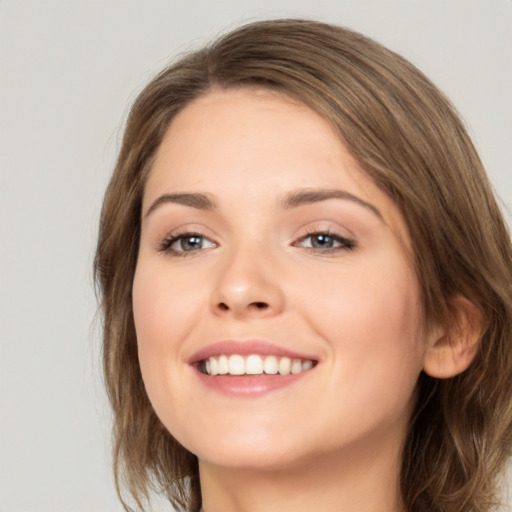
(331, 440)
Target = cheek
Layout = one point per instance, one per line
(163, 316)
(164, 306)
(148, 302)
(371, 318)
(379, 350)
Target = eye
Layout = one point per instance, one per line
(183, 243)
(325, 242)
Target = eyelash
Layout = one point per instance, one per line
(167, 243)
(345, 244)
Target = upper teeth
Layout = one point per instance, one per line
(255, 365)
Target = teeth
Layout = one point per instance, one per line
(236, 365)
(223, 366)
(307, 365)
(285, 366)
(214, 366)
(270, 365)
(255, 365)
(296, 366)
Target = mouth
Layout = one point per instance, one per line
(250, 368)
(253, 364)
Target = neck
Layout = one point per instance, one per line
(327, 482)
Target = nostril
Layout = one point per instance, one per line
(223, 306)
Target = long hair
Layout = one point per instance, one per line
(407, 137)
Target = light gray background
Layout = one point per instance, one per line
(68, 71)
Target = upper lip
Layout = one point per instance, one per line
(245, 348)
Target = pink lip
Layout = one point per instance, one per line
(246, 385)
(245, 348)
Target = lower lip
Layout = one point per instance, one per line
(249, 385)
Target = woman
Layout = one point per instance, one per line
(305, 283)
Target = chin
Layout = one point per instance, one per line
(246, 448)
(251, 458)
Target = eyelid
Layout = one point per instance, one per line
(343, 242)
(347, 243)
(165, 244)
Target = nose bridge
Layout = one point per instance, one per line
(247, 283)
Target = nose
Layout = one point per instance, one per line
(247, 286)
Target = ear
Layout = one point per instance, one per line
(453, 350)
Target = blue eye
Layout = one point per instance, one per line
(186, 243)
(326, 242)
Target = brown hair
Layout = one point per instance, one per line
(409, 140)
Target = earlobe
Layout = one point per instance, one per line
(453, 350)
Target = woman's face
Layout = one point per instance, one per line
(264, 249)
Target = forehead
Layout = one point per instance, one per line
(249, 146)
(232, 127)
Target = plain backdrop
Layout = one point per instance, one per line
(68, 72)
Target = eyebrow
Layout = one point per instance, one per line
(292, 200)
(309, 196)
(194, 200)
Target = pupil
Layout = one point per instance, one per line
(322, 241)
(192, 242)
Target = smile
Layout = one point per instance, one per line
(250, 368)
(254, 364)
